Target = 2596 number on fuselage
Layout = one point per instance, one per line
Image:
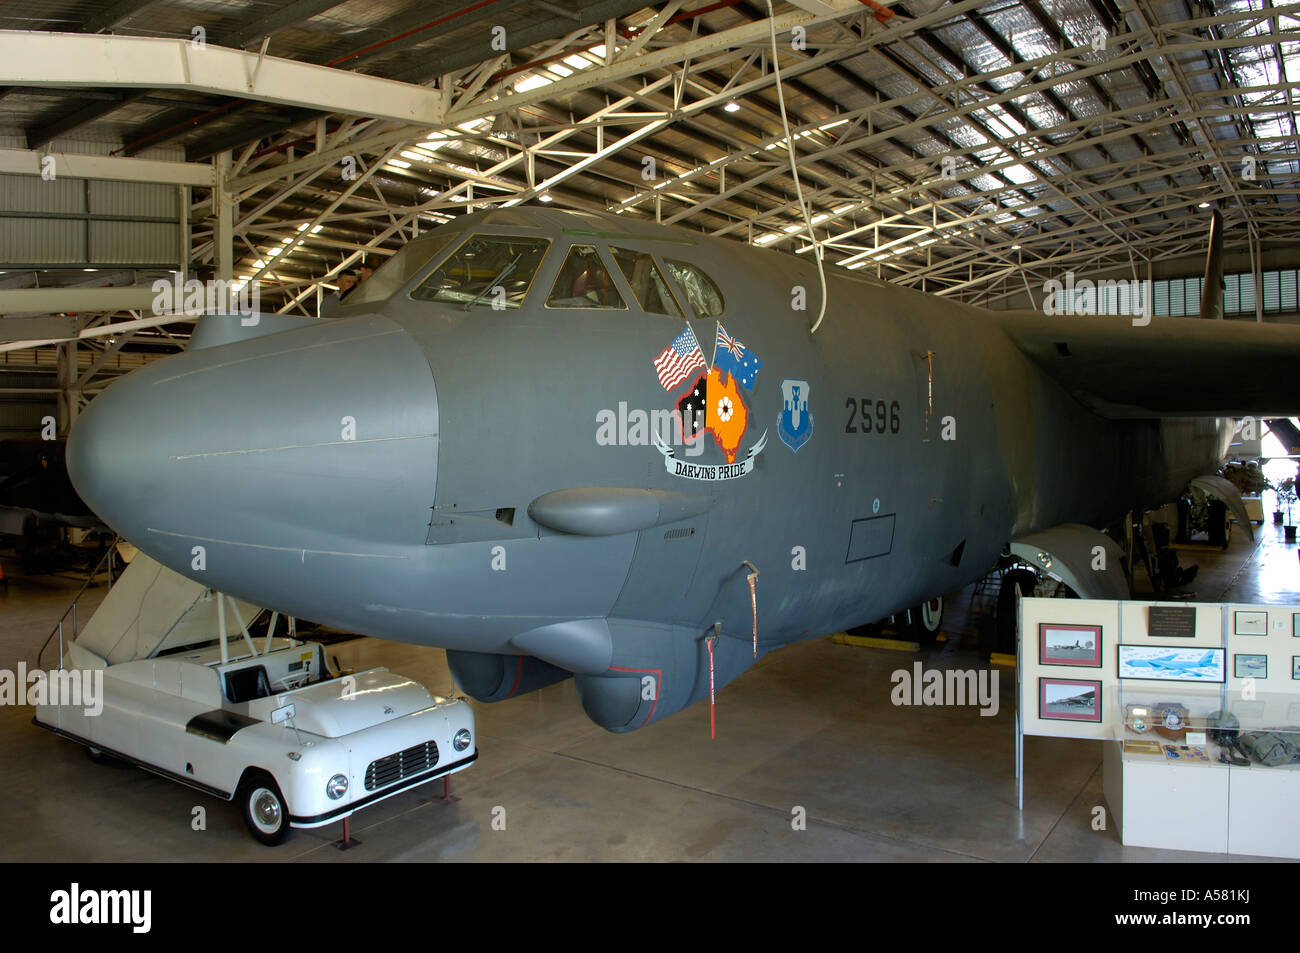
(863, 420)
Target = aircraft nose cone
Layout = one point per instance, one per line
(316, 440)
(99, 453)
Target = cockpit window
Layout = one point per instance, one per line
(393, 274)
(701, 292)
(647, 281)
(584, 282)
(487, 270)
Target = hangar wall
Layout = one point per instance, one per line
(78, 223)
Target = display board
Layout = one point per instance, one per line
(1080, 657)
(1073, 653)
(1196, 700)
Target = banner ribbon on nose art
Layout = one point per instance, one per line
(709, 471)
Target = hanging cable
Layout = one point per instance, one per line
(713, 718)
(753, 600)
(794, 170)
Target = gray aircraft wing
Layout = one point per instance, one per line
(1170, 367)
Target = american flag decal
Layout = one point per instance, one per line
(679, 359)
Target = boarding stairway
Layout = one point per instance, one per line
(148, 610)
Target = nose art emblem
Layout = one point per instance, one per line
(388, 710)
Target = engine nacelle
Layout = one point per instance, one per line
(493, 678)
(657, 670)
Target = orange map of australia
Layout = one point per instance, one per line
(715, 400)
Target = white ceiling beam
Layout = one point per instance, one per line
(116, 168)
(57, 300)
(78, 60)
(28, 329)
(105, 330)
(733, 38)
(830, 8)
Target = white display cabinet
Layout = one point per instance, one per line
(1203, 798)
(1146, 680)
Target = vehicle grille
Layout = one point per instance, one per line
(401, 765)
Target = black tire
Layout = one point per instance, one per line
(923, 622)
(1006, 615)
(1220, 530)
(265, 812)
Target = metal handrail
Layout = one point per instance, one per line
(58, 626)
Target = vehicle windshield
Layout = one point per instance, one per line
(393, 274)
(487, 270)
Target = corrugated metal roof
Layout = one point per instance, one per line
(1058, 151)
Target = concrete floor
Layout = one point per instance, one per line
(811, 726)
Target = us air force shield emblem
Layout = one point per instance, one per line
(795, 424)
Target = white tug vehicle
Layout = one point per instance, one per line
(267, 725)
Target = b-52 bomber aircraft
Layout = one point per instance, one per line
(1171, 663)
(561, 444)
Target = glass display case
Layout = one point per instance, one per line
(1189, 724)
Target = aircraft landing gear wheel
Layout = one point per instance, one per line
(1220, 529)
(265, 812)
(1006, 614)
(923, 621)
(97, 755)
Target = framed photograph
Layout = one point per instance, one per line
(1250, 623)
(1069, 699)
(1295, 625)
(1295, 666)
(1170, 664)
(1249, 666)
(1069, 645)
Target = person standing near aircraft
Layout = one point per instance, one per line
(348, 282)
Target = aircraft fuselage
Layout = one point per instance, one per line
(375, 471)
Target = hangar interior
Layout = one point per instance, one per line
(974, 150)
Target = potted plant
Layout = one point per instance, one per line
(1248, 478)
(1287, 494)
(1251, 483)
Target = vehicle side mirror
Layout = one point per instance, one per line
(280, 715)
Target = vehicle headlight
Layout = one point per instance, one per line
(461, 741)
(337, 787)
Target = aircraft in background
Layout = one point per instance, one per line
(35, 488)
(562, 444)
(1171, 663)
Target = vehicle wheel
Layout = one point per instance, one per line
(265, 812)
(97, 755)
(1006, 615)
(923, 621)
(1220, 529)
